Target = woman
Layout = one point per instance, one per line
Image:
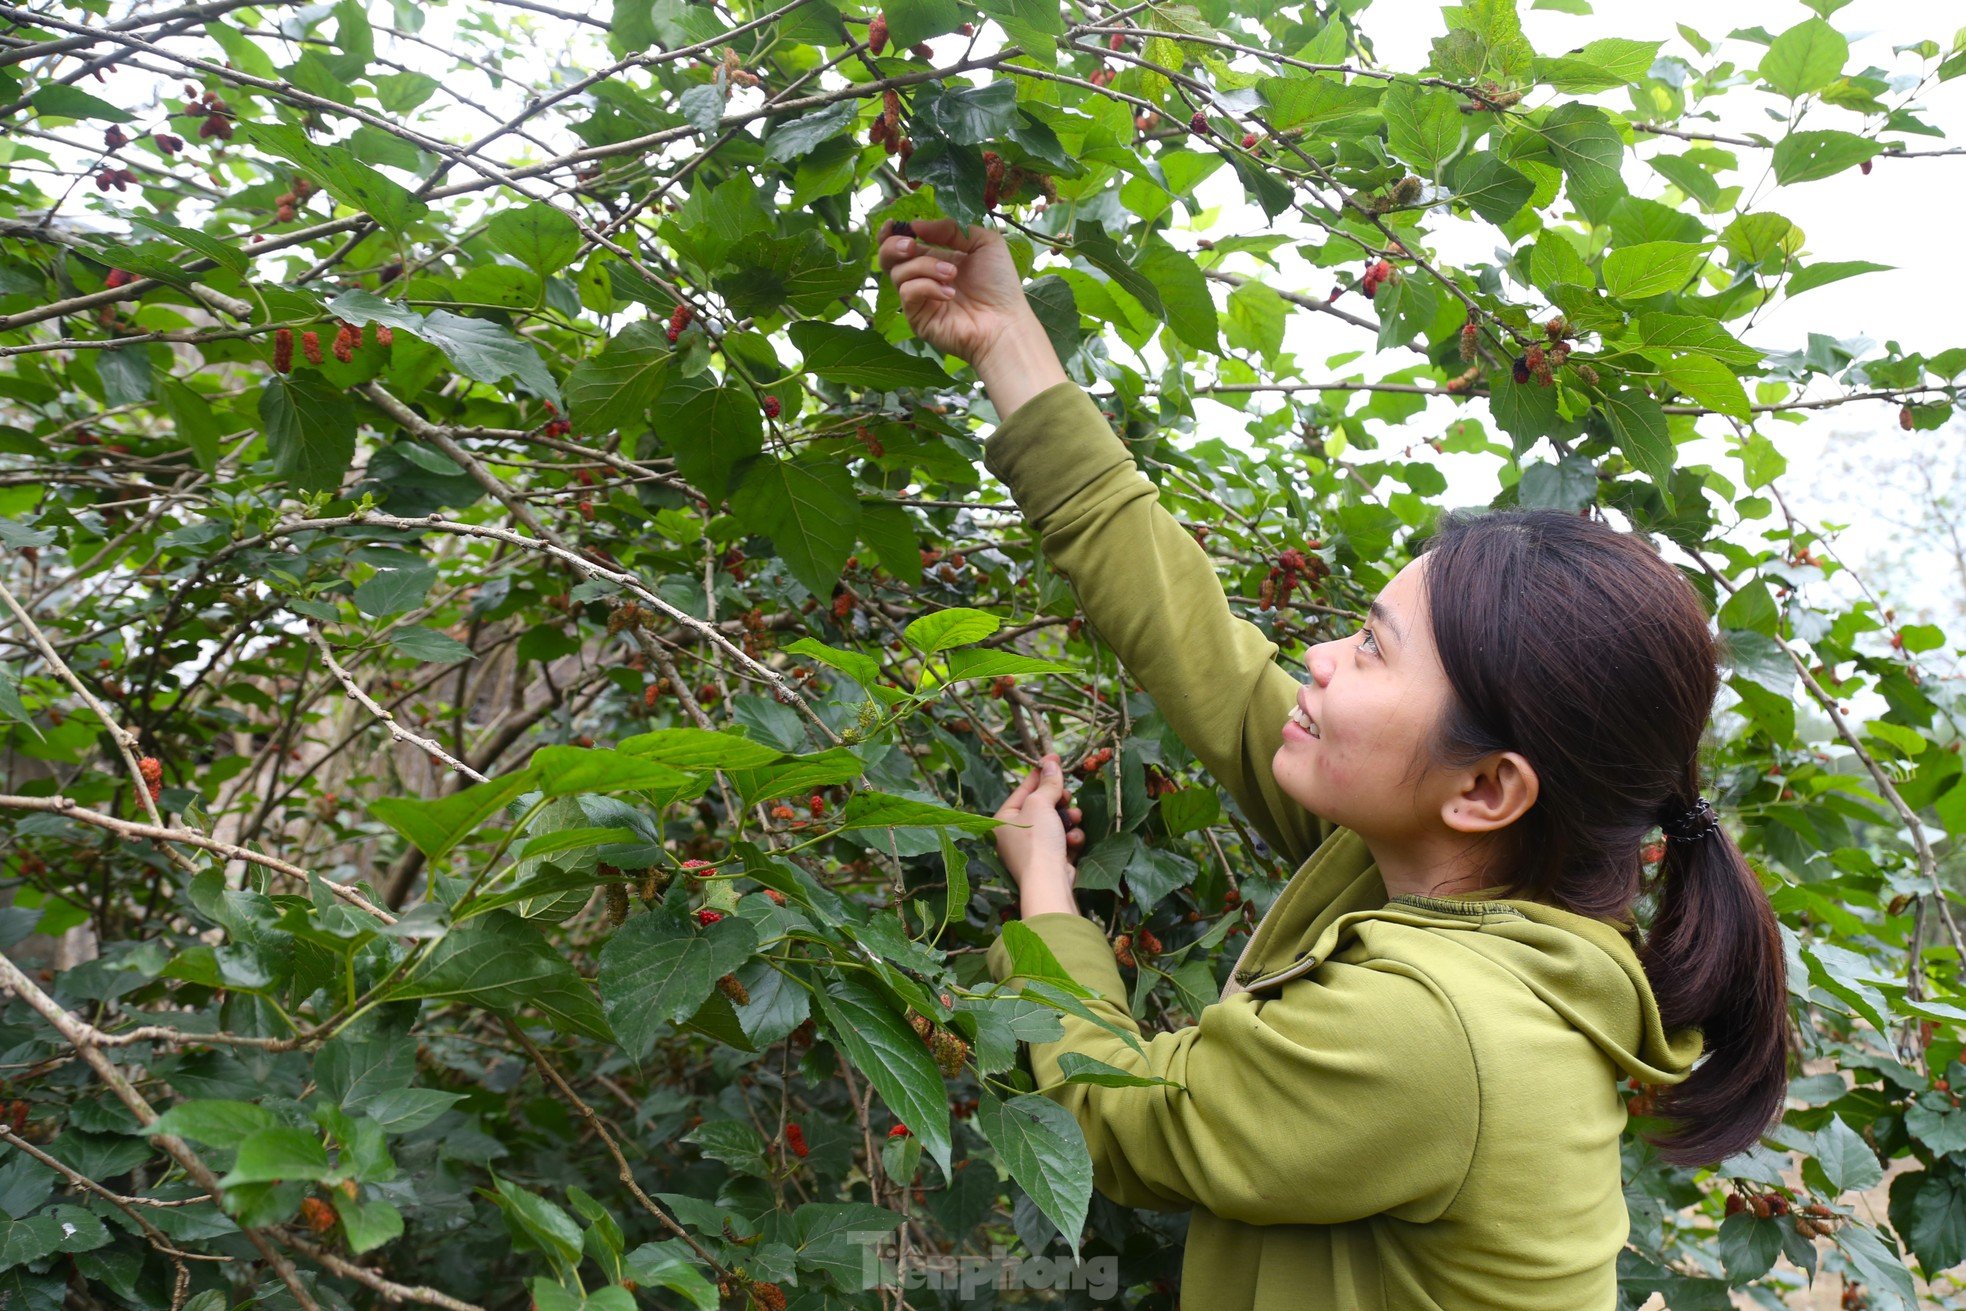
(1407, 1096)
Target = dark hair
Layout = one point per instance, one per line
(1581, 648)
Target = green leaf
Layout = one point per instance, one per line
(344, 176)
(671, 1265)
(362, 307)
(500, 962)
(701, 748)
(429, 645)
(1807, 156)
(192, 420)
(970, 116)
(910, 21)
(1918, 638)
(1710, 383)
(1754, 238)
(990, 662)
(1189, 810)
(368, 1225)
(1807, 57)
(1748, 1246)
(392, 591)
(23, 1241)
(1640, 428)
(1942, 1130)
(801, 136)
(539, 236)
(1603, 65)
(11, 707)
(655, 972)
(1651, 268)
(1256, 319)
(1848, 1162)
(614, 388)
(1186, 304)
(310, 430)
(1928, 1210)
(710, 429)
(1424, 125)
(539, 1223)
(1080, 1068)
(227, 256)
(809, 512)
(275, 1154)
(1810, 276)
(563, 771)
(61, 100)
(1043, 1148)
(81, 1230)
(215, 1123)
(437, 826)
(488, 352)
(1490, 187)
(1689, 177)
(1667, 334)
(880, 810)
(1751, 608)
(866, 1028)
(1099, 250)
(1590, 153)
(956, 626)
(1568, 485)
(1880, 1267)
(862, 669)
(861, 358)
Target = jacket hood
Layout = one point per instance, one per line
(1585, 969)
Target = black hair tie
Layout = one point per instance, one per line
(1693, 823)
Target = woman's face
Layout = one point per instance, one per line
(1375, 700)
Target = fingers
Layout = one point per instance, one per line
(943, 232)
(923, 280)
(1051, 781)
(1021, 791)
(918, 293)
(934, 238)
(895, 250)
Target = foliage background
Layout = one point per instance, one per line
(451, 653)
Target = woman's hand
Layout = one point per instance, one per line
(962, 295)
(960, 290)
(1035, 843)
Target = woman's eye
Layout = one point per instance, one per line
(1368, 641)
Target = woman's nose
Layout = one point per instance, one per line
(1319, 661)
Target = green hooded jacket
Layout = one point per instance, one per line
(1404, 1104)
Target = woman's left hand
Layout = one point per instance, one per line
(1035, 844)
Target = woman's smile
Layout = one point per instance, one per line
(1300, 720)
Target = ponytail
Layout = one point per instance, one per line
(1715, 960)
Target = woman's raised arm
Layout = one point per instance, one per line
(1147, 587)
(1151, 593)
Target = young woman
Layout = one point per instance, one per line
(1407, 1097)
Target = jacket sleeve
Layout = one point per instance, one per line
(1152, 594)
(1350, 1093)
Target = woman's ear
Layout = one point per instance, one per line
(1492, 794)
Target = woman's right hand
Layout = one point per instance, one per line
(960, 290)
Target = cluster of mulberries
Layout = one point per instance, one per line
(1378, 275)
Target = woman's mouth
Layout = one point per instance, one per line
(1302, 722)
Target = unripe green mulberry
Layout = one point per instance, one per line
(950, 1052)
